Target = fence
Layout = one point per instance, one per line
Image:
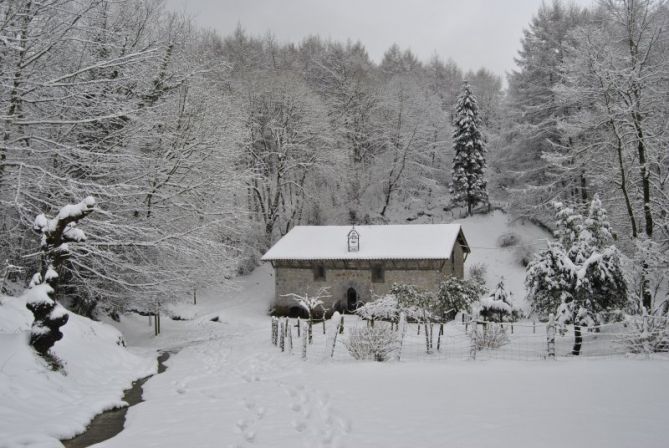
(474, 339)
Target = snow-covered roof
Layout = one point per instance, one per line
(381, 242)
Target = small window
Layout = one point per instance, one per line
(377, 274)
(319, 273)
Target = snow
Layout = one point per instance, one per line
(230, 387)
(415, 241)
(38, 406)
(227, 386)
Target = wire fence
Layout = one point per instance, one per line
(469, 339)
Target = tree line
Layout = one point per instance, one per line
(201, 150)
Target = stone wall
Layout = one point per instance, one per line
(300, 280)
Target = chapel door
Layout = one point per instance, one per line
(352, 299)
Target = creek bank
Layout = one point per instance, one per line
(109, 423)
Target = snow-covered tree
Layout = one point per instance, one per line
(456, 295)
(469, 184)
(497, 307)
(579, 276)
(55, 237)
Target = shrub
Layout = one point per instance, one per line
(456, 295)
(478, 272)
(508, 239)
(648, 334)
(490, 336)
(377, 343)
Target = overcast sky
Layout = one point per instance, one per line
(474, 33)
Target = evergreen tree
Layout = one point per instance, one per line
(469, 183)
(579, 276)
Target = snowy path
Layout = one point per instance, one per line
(228, 387)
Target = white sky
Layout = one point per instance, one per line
(474, 33)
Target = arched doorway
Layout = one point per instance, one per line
(351, 299)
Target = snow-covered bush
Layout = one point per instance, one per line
(490, 336)
(456, 295)
(383, 308)
(647, 334)
(478, 272)
(314, 306)
(377, 343)
(497, 307)
(508, 239)
(417, 304)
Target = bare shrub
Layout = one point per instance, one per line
(489, 336)
(377, 343)
(478, 273)
(508, 239)
(648, 334)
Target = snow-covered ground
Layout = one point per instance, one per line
(39, 406)
(227, 386)
(232, 388)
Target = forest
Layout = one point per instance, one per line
(201, 150)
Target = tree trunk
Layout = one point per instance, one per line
(578, 340)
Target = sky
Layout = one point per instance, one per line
(474, 33)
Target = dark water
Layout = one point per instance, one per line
(109, 423)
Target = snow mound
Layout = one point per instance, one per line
(39, 406)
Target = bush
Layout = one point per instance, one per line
(489, 336)
(508, 240)
(456, 295)
(478, 272)
(377, 343)
(647, 335)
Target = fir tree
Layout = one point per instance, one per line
(579, 276)
(469, 183)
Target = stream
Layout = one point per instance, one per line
(109, 423)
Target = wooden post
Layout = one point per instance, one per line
(282, 336)
(511, 328)
(550, 336)
(194, 296)
(334, 338)
(441, 332)
(275, 330)
(323, 323)
(290, 339)
(418, 329)
(298, 326)
(305, 339)
(341, 326)
(310, 331)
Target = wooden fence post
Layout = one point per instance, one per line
(298, 326)
(336, 332)
(550, 336)
(275, 330)
(282, 336)
(194, 296)
(290, 338)
(305, 339)
(341, 327)
(310, 331)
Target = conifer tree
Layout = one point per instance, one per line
(579, 276)
(469, 183)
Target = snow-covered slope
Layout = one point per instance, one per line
(39, 406)
(483, 233)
